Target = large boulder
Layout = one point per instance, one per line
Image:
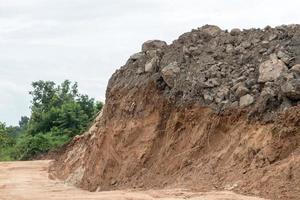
(153, 45)
(170, 72)
(271, 69)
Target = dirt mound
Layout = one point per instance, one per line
(213, 110)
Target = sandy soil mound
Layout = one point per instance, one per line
(215, 110)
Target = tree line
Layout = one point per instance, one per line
(58, 113)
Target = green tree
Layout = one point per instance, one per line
(58, 112)
(7, 141)
(23, 123)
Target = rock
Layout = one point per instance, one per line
(137, 56)
(170, 72)
(210, 83)
(246, 100)
(241, 91)
(291, 89)
(208, 98)
(186, 50)
(255, 40)
(234, 104)
(140, 70)
(211, 30)
(235, 32)
(246, 44)
(265, 44)
(153, 45)
(223, 93)
(296, 68)
(237, 85)
(151, 65)
(263, 50)
(271, 69)
(284, 57)
(152, 53)
(272, 37)
(229, 48)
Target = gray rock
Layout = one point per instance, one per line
(229, 48)
(208, 98)
(151, 65)
(296, 68)
(223, 92)
(234, 104)
(153, 45)
(272, 37)
(152, 53)
(284, 57)
(246, 44)
(255, 40)
(140, 70)
(170, 72)
(210, 83)
(267, 92)
(246, 100)
(137, 56)
(265, 44)
(291, 89)
(237, 85)
(211, 30)
(235, 31)
(186, 50)
(263, 50)
(271, 69)
(241, 91)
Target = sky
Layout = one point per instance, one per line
(87, 40)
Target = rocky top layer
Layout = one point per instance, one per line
(255, 68)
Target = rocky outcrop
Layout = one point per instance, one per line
(215, 109)
(222, 69)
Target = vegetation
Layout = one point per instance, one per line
(58, 113)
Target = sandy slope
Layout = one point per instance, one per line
(29, 181)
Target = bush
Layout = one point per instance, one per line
(28, 146)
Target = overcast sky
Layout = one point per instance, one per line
(87, 40)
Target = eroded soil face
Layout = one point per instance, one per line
(29, 181)
(214, 110)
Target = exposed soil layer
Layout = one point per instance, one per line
(215, 110)
(29, 181)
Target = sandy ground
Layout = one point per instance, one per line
(29, 181)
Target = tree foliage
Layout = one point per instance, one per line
(58, 113)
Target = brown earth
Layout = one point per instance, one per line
(186, 147)
(29, 181)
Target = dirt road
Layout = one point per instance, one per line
(29, 181)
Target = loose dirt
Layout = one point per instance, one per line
(29, 181)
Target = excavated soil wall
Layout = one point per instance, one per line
(214, 110)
